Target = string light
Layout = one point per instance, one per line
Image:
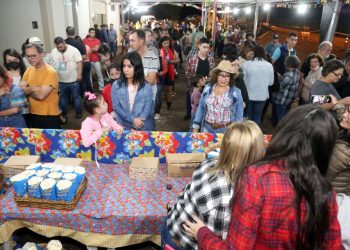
(248, 10)
(266, 7)
(302, 8)
(235, 11)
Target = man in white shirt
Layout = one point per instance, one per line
(69, 69)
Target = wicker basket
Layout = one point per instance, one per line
(212, 147)
(60, 205)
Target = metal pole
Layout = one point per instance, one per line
(122, 12)
(256, 18)
(333, 25)
(214, 22)
(202, 17)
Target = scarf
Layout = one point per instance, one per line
(171, 68)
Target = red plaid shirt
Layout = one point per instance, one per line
(264, 217)
(192, 65)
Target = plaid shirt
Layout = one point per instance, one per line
(207, 196)
(264, 215)
(218, 108)
(288, 88)
(192, 65)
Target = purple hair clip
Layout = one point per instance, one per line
(91, 96)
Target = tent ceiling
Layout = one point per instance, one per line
(219, 1)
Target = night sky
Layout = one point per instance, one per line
(278, 16)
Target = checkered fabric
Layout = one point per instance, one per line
(208, 196)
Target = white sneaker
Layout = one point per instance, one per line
(156, 116)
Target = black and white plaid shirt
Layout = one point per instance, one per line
(208, 197)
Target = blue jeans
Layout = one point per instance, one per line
(281, 111)
(208, 129)
(166, 238)
(86, 77)
(65, 90)
(255, 110)
(16, 121)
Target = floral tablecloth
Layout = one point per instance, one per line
(112, 204)
(111, 148)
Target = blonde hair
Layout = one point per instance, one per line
(242, 144)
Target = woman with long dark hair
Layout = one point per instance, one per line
(167, 52)
(14, 64)
(284, 201)
(132, 95)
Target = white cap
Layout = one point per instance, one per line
(34, 39)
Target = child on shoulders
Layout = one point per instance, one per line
(98, 121)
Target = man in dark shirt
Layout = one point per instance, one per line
(97, 32)
(70, 31)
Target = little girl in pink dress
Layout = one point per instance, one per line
(98, 121)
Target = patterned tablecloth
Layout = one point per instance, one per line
(113, 204)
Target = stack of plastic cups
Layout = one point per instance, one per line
(34, 187)
(55, 175)
(20, 184)
(48, 189)
(63, 190)
(80, 171)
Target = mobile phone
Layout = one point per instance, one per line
(321, 99)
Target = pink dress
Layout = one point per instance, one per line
(91, 130)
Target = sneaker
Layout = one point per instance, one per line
(63, 119)
(156, 116)
(79, 115)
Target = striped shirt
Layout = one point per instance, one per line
(150, 62)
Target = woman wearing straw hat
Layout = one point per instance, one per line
(221, 102)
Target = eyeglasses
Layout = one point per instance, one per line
(31, 56)
(224, 76)
(337, 75)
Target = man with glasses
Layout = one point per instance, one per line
(47, 56)
(40, 84)
(70, 65)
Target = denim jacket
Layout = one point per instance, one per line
(143, 105)
(236, 111)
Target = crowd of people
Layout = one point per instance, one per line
(248, 197)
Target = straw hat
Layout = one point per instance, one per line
(225, 66)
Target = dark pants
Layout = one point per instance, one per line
(166, 239)
(255, 110)
(188, 104)
(86, 77)
(45, 121)
(66, 90)
(158, 104)
(281, 111)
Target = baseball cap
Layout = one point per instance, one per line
(35, 40)
(275, 36)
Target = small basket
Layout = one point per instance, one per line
(10, 171)
(59, 205)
